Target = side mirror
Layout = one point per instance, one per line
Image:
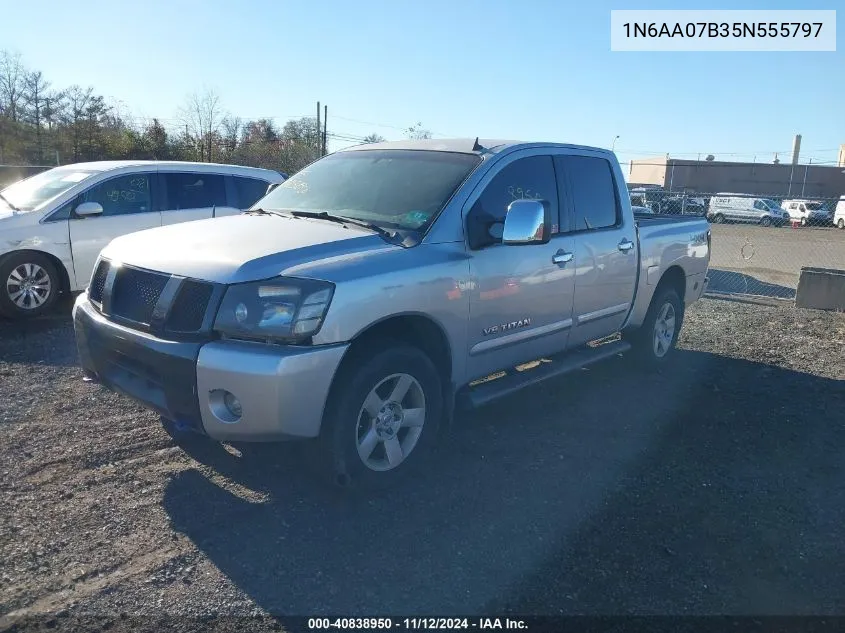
(527, 222)
(88, 208)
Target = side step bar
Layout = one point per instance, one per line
(515, 380)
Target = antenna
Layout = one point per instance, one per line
(476, 147)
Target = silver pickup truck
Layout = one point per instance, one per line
(372, 292)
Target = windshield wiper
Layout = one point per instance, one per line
(11, 206)
(260, 211)
(342, 219)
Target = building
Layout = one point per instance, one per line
(779, 180)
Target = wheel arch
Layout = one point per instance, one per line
(412, 328)
(64, 275)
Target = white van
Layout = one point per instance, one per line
(54, 224)
(731, 207)
(839, 213)
(810, 212)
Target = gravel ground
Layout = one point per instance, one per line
(717, 486)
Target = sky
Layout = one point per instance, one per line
(535, 70)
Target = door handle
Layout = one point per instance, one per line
(561, 257)
(625, 245)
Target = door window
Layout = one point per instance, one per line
(759, 206)
(123, 195)
(194, 190)
(531, 178)
(248, 191)
(593, 191)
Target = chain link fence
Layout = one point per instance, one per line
(759, 243)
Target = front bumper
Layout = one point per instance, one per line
(282, 389)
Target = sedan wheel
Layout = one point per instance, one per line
(28, 286)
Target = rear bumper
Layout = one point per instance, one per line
(282, 390)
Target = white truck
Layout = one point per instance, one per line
(363, 299)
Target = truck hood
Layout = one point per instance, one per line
(245, 247)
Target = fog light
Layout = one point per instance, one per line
(232, 404)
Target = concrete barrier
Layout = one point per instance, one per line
(821, 289)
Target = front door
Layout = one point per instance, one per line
(521, 296)
(606, 254)
(127, 202)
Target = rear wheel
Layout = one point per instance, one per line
(803, 221)
(718, 219)
(841, 223)
(654, 342)
(382, 417)
(30, 285)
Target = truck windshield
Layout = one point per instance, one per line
(400, 189)
(36, 191)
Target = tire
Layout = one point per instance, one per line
(718, 219)
(361, 448)
(665, 303)
(765, 221)
(44, 286)
(841, 223)
(803, 221)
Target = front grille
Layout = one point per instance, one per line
(98, 281)
(190, 306)
(135, 294)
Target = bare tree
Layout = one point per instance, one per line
(231, 127)
(35, 96)
(374, 138)
(11, 83)
(203, 115)
(418, 132)
(76, 100)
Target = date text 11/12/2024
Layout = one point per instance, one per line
(417, 623)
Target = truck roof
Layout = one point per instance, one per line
(463, 145)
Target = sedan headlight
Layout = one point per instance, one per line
(280, 308)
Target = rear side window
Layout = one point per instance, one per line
(194, 191)
(593, 191)
(248, 191)
(759, 205)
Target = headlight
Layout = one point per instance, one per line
(279, 308)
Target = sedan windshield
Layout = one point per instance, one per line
(34, 192)
(399, 189)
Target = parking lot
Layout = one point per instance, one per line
(751, 259)
(715, 486)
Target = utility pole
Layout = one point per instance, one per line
(325, 119)
(806, 167)
(318, 130)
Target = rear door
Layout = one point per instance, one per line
(129, 205)
(192, 196)
(605, 242)
(243, 193)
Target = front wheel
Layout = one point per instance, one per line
(766, 221)
(30, 285)
(654, 342)
(718, 218)
(841, 223)
(382, 416)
